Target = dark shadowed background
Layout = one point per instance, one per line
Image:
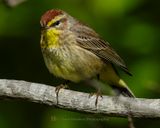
(131, 26)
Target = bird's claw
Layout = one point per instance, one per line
(97, 94)
(58, 88)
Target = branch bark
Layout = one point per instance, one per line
(78, 101)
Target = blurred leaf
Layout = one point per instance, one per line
(114, 7)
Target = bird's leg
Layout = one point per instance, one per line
(61, 86)
(94, 84)
(97, 94)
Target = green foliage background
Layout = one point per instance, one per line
(131, 26)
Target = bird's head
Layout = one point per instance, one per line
(53, 23)
(55, 20)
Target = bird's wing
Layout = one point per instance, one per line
(90, 40)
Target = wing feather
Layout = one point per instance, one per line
(90, 40)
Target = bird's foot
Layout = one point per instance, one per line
(58, 88)
(97, 94)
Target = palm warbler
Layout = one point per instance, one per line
(75, 52)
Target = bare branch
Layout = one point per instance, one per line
(78, 101)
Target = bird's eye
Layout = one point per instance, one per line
(56, 23)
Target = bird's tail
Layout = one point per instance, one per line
(122, 88)
(110, 75)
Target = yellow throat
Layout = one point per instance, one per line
(50, 38)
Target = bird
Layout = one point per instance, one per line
(75, 52)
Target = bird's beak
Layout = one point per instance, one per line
(43, 28)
